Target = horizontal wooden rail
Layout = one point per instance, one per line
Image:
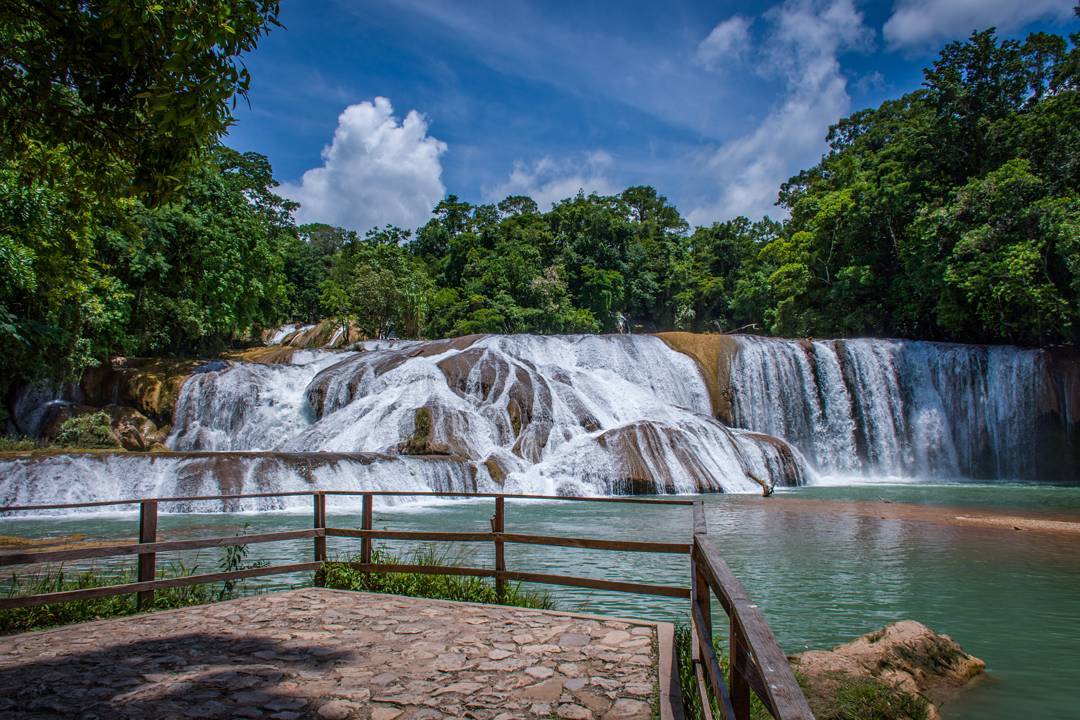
(87, 553)
(756, 661)
(411, 535)
(353, 493)
(541, 578)
(520, 538)
(150, 586)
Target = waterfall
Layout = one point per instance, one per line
(590, 415)
(560, 415)
(88, 477)
(913, 409)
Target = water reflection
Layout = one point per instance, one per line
(821, 578)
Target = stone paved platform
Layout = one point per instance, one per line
(331, 655)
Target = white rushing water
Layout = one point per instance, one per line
(561, 415)
(85, 477)
(907, 409)
(593, 415)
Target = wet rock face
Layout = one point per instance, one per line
(584, 414)
(149, 385)
(906, 655)
(713, 355)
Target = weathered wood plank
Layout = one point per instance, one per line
(148, 516)
(412, 535)
(597, 544)
(709, 660)
(498, 525)
(779, 684)
(46, 556)
(597, 584)
(90, 593)
(367, 510)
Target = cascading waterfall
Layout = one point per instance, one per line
(88, 477)
(581, 415)
(562, 415)
(913, 409)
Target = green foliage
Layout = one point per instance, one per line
(15, 444)
(842, 698)
(209, 265)
(92, 430)
(948, 213)
(340, 576)
(110, 176)
(59, 580)
(376, 284)
(143, 84)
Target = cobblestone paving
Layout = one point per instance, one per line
(331, 655)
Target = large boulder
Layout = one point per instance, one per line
(907, 656)
(149, 385)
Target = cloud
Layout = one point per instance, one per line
(729, 40)
(917, 24)
(547, 181)
(802, 44)
(376, 170)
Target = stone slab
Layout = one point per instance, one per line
(337, 655)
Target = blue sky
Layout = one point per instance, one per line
(373, 110)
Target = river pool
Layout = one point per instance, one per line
(1011, 598)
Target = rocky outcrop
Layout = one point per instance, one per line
(133, 430)
(905, 655)
(713, 354)
(149, 385)
(325, 334)
(263, 355)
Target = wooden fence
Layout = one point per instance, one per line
(756, 662)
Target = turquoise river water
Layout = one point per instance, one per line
(1011, 598)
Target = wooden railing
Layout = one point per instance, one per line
(756, 661)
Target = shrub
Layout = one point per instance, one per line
(341, 576)
(93, 430)
(12, 444)
(844, 698)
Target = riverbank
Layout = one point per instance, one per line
(958, 516)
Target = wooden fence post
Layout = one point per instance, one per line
(148, 512)
(365, 524)
(320, 523)
(738, 684)
(498, 525)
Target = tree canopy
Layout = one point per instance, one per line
(950, 213)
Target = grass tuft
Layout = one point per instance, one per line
(339, 576)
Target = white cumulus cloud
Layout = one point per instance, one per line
(377, 170)
(547, 180)
(729, 40)
(801, 47)
(918, 24)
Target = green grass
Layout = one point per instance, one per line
(869, 699)
(340, 576)
(60, 580)
(57, 579)
(17, 444)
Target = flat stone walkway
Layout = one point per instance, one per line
(331, 654)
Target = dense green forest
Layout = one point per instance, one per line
(950, 213)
